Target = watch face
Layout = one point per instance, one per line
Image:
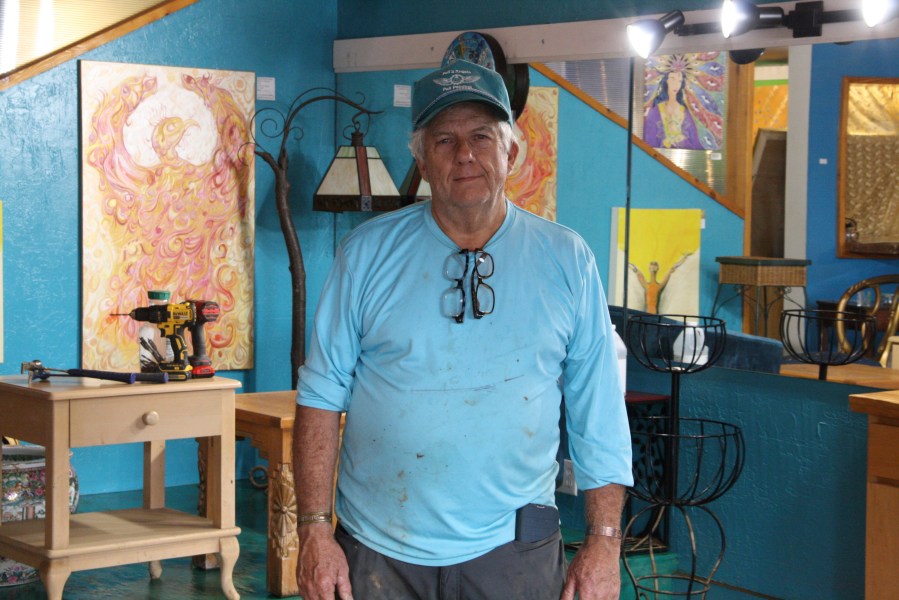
(473, 47)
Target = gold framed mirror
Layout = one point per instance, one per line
(867, 174)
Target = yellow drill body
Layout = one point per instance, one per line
(171, 319)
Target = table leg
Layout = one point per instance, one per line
(154, 474)
(229, 551)
(154, 568)
(54, 574)
(154, 488)
(757, 312)
(283, 544)
(206, 562)
(715, 302)
(56, 527)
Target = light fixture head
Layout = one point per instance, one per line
(875, 12)
(647, 35)
(746, 56)
(357, 180)
(740, 16)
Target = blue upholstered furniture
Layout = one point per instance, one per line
(741, 351)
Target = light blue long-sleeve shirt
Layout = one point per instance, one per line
(453, 426)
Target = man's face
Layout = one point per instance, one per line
(465, 160)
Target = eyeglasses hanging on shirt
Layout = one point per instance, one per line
(482, 297)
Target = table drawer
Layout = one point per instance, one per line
(97, 422)
(883, 451)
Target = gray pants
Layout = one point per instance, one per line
(514, 571)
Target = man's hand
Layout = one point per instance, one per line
(594, 573)
(322, 569)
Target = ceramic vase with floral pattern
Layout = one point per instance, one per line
(24, 497)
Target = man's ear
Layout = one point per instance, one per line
(513, 152)
(422, 170)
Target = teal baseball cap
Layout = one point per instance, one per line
(459, 81)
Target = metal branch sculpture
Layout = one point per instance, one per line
(273, 124)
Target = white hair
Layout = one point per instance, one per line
(417, 140)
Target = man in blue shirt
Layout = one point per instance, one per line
(448, 332)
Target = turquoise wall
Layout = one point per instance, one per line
(289, 40)
(794, 522)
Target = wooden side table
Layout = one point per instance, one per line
(753, 275)
(65, 413)
(882, 527)
(266, 418)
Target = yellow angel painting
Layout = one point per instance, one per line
(663, 260)
(168, 203)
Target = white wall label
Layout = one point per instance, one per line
(265, 88)
(402, 95)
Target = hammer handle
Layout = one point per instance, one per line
(124, 377)
(108, 375)
(161, 377)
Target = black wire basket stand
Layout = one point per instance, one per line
(716, 452)
(680, 464)
(676, 344)
(826, 337)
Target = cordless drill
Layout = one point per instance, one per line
(172, 319)
(205, 311)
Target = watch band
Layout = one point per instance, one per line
(604, 530)
(323, 516)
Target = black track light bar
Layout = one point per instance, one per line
(698, 29)
(807, 18)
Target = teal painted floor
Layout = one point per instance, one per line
(179, 580)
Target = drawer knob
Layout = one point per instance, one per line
(151, 418)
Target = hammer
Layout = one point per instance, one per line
(37, 370)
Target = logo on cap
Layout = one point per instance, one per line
(457, 79)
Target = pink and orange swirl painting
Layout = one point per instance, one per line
(167, 203)
(532, 180)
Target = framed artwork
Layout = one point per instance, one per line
(662, 260)
(168, 187)
(867, 177)
(683, 101)
(532, 181)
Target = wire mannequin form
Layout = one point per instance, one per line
(807, 337)
(715, 451)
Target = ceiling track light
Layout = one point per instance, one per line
(875, 12)
(746, 56)
(805, 20)
(647, 35)
(740, 16)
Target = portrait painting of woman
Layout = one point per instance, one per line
(684, 101)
